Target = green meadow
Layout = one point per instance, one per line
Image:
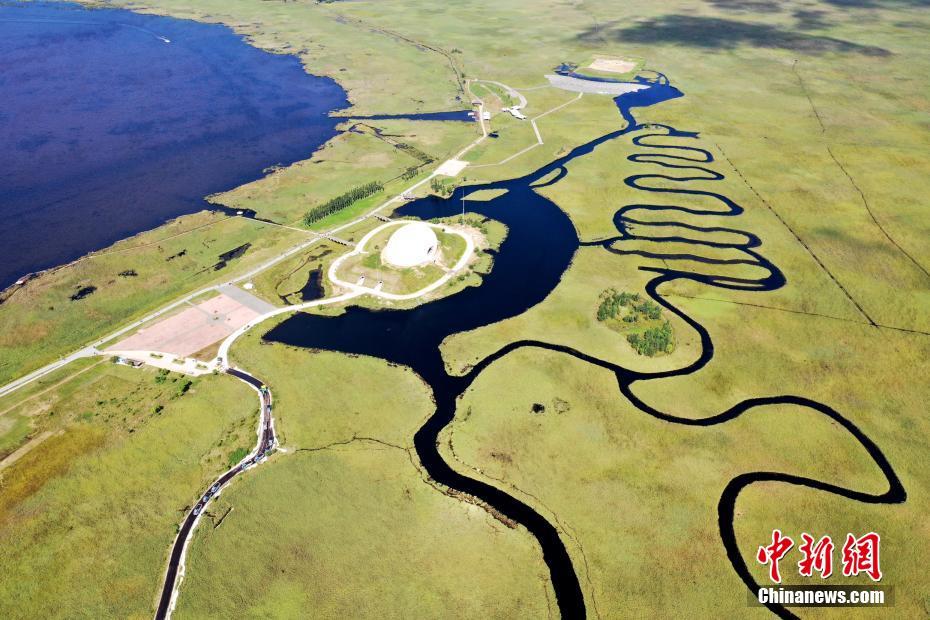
(815, 113)
(41, 322)
(344, 521)
(87, 516)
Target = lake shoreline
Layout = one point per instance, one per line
(181, 170)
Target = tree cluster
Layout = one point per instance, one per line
(612, 301)
(441, 188)
(339, 203)
(653, 340)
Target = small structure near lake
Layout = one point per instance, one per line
(412, 245)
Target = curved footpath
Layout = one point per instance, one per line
(266, 443)
(266, 437)
(377, 292)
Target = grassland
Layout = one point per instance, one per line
(637, 505)
(563, 319)
(488, 234)
(833, 48)
(282, 284)
(859, 372)
(40, 322)
(345, 523)
(816, 114)
(87, 516)
(493, 96)
(370, 266)
(365, 152)
(847, 68)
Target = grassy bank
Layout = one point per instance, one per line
(643, 491)
(87, 517)
(346, 523)
(40, 322)
(816, 115)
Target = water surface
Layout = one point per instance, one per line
(112, 122)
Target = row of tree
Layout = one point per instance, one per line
(339, 203)
(414, 152)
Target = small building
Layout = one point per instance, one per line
(486, 116)
(411, 245)
(125, 361)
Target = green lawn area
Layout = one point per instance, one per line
(399, 281)
(649, 489)
(396, 280)
(482, 92)
(501, 94)
(282, 283)
(562, 319)
(491, 231)
(815, 114)
(346, 523)
(88, 516)
(501, 99)
(349, 160)
(451, 246)
(40, 322)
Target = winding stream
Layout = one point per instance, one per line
(530, 263)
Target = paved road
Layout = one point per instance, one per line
(522, 103)
(92, 349)
(266, 443)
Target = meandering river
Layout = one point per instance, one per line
(113, 122)
(539, 248)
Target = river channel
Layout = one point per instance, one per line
(530, 263)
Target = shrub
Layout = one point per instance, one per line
(184, 387)
(237, 455)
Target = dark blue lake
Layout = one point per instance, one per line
(106, 129)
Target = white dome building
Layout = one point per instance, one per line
(411, 245)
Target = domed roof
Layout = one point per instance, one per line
(411, 245)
